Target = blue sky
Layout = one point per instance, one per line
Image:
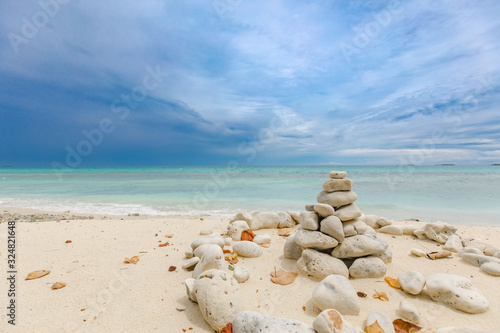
(257, 82)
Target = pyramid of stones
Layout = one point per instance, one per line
(333, 238)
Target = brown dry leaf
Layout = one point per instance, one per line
(284, 232)
(227, 329)
(374, 328)
(172, 268)
(393, 282)
(361, 294)
(58, 285)
(266, 245)
(283, 277)
(232, 258)
(37, 274)
(132, 260)
(381, 296)
(401, 326)
(225, 251)
(438, 255)
(169, 235)
(68, 241)
(164, 244)
(247, 235)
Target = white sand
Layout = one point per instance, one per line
(105, 295)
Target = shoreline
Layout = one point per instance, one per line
(104, 294)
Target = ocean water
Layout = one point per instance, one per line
(454, 194)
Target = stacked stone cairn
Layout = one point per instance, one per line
(333, 238)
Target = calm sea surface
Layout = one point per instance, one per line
(454, 194)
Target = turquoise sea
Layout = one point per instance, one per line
(454, 194)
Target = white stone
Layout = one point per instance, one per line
(235, 229)
(354, 227)
(332, 226)
(469, 249)
(213, 258)
(189, 264)
(382, 222)
(371, 220)
(348, 229)
(453, 244)
(386, 256)
(262, 239)
(478, 259)
(285, 220)
(384, 322)
(337, 174)
(336, 199)
(292, 250)
(360, 246)
(492, 268)
(205, 231)
(242, 216)
(487, 248)
(335, 292)
(247, 249)
(457, 292)
(332, 185)
(200, 250)
(412, 282)
(188, 253)
(319, 265)
(417, 252)
(409, 311)
(189, 283)
(218, 297)
(348, 212)
(331, 321)
(207, 240)
(264, 220)
(314, 239)
(437, 231)
(228, 240)
(369, 267)
(295, 216)
(369, 231)
(253, 322)
(391, 230)
(309, 220)
(241, 274)
(409, 229)
(309, 207)
(497, 255)
(324, 210)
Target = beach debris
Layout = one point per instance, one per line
(213, 258)
(172, 268)
(58, 285)
(319, 265)
(380, 295)
(361, 294)
(164, 244)
(292, 250)
(382, 320)
(247, 249)
(412, 282)
(336, 292)
(392, 282)
(247, 235)
(37, 274)
(438, 255)
(374, 328)
(226, 251)
(132, 260)
(402, 326)
(219, 310)
(231, 268)
(68, 241)
(231, 258)
(248, 321)
(438, 232)
(241, 274)
(368, 267)
(409, 311)
(169, 235)
(227, 329)
(284, 232)
(457, 292)
(283, 277)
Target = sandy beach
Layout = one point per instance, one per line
(103, 294)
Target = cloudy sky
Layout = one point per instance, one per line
(202, 82)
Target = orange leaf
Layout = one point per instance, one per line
(227, 329)
(225, 251)
(37, 274)
(68, 241)
(247, 235)
(232, 258)
(438, 255)
(393, 282)
(381, 296)
(132, 260)
(374, 328)
(169, 235)
(164, 244)
(401, 326)
(283, 277)
(284, 232)
(361, 294)
(58, 285)
(172, 268)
